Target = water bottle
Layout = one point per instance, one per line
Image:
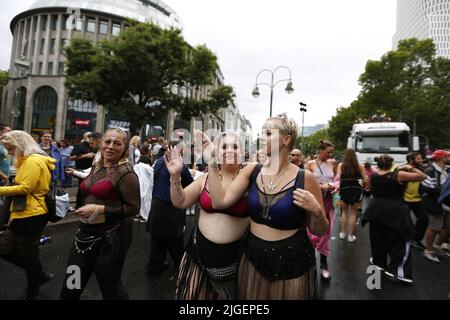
(44, 240)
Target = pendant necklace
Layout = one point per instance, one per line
(272, 185)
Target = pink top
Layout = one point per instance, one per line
(239, 209)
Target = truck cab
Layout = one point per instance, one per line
(370, 140)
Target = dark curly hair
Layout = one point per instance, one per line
(384, 162)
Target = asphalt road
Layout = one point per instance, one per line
(348, 264)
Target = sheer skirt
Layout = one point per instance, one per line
(278, 270)
(208, 271)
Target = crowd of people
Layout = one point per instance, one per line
(258, 225)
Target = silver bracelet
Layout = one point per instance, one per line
(92, 217)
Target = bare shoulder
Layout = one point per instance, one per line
(332, 162)
(248, 168)
(310, 165)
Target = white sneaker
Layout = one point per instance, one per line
(351, 238)
(341, 235)
(442, 250)
(431, 256)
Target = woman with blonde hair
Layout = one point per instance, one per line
(134, 153)
(19, 244)
(112, 197)
(208, 270)
(278, 259)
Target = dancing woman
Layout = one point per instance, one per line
(209, 266)
(278, 260)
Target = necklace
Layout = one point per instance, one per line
(272, 185)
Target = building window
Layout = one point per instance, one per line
(66, 23)
(50, 69)
(54, 22)
(34, 24)
(32, 47)
(42, 46)
(115, 29)
(52, 46)
(103, 27)
(43, 23)
(81, 106)
(91, 25)
(79, 24)
(61, 69)
(44, 110)
(40, 68)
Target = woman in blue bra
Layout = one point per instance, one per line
(278, 260)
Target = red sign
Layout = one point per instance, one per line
(82, 122)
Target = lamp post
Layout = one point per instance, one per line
(303, 110)
(289, 89)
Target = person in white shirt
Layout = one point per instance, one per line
(145, 174)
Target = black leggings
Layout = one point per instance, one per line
(106, 258)
(422, 219)
(19, 244)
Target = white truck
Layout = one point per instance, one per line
(370, 140)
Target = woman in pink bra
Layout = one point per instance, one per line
(208, 270)
(112, 198)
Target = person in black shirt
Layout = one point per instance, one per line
(165, 223)
(83, 156)
(391, 227)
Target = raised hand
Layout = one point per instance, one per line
(207, 146)
(174, 161)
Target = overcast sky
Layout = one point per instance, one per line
(325, 43)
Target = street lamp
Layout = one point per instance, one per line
(289, 88)
(303, 110)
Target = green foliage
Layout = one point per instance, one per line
(138, 73)
(310, 143)
(407, 83)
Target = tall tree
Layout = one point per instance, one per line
(409, 84)
(139, 74)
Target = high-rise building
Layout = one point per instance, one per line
(424, 19)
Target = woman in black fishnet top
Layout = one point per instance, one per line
(112, 197)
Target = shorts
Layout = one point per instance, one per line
(439, 222)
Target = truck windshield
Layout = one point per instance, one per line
(380, 144)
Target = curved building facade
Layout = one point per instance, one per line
(35, 98)
(424, 19)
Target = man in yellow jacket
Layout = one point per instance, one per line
(19, 244)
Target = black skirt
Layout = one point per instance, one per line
(208, 271)
(281, 260)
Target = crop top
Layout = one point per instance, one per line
(281, 212)
(239, 209)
